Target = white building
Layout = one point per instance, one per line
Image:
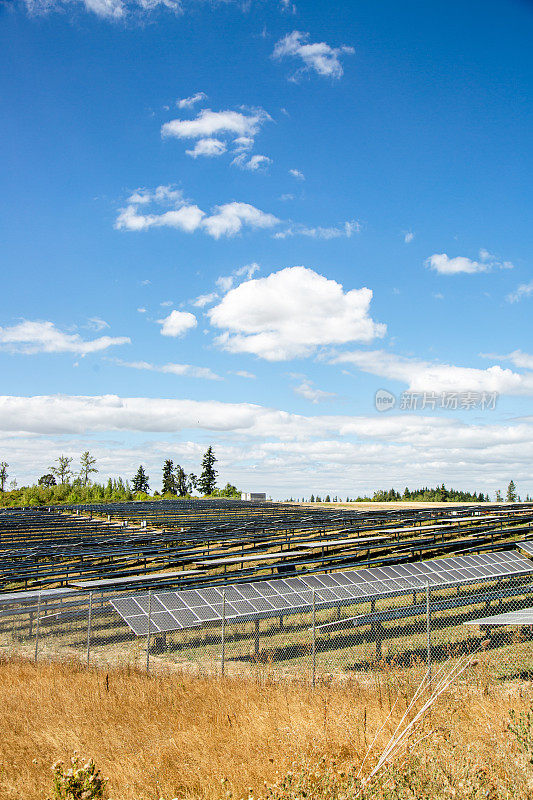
(254, 497)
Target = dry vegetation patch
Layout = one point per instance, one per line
(172, 735)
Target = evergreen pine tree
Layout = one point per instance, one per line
(511, 493)
(140, 481)
(3, 474)
(169, 480)
(208, 479)
(182, 484)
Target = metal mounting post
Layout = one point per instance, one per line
(428, 630)
(314, 638)
(89, 622)
(148, 632)
(223, 665)
(38, 626)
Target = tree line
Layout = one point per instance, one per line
(63, 483)
(439, 494)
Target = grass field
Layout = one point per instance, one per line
(170, 735)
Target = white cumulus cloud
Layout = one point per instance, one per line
(189, 102)
(243, 373)
(321, 232)
(309, 391)
(253, 163)
(291, 313)
(213, 123)
(97, 324)
(517, 357)
(205, 299)
(225, 282)
(207, 147)
(112, 10)
(227, 219)
(186, 370)
(317, 57)
(297, 174)
(177, 323)
(37, 336)
(521, 292)
(424, 376)
(441, 263)
(266, 447)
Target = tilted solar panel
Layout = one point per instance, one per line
(192, 607)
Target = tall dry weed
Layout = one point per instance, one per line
(173, 735)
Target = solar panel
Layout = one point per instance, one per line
(526, 546)
(293, 595)
(522, 617)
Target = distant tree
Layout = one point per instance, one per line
(62, 471)
(13, 484)
(169, 479)
(182, 485)
(47, 480)
(140, 481)
(3, 474)
(498, 496)
(511, 493)
(312, 499)
(87, 462)
(192, 482)
(231, 491)
(208, 479)
(327, 500)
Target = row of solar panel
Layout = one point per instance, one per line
(189, 608)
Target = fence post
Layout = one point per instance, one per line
(223, 655)
(148, 632)
(89, 621)
(428, 630)
(38, 626)
(314, 638)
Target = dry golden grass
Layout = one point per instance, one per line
(172, 735)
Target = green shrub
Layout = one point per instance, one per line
(79, 782)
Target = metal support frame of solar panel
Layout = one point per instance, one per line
(523, 616)
(173, 611)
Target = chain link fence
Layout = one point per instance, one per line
(417, 629)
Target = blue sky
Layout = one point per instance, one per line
(233, 224)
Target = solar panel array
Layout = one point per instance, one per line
(43, 547)
(522, 617)
(170, 611)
